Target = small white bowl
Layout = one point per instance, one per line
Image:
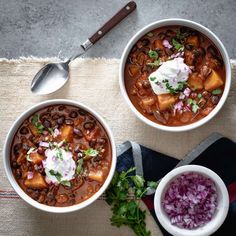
(171, 22)
(7, 150)
(222, 202)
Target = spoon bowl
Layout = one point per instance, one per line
(50, 78)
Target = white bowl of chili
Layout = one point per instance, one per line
(200, 70)
(59, 156)
(191, 200)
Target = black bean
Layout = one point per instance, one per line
(14, 165)
(161, 36)
(61, 120)
(40, 151)
(77, 149)
(29, 190)
(69, 121)
(102, 140)
(55, 116)
(35, 195)
(24, 130)
(73, 114)
(82, 112)
(47, 123)
(215, 100)
(17, 148)
(89, 125)
(61, 108)
(92, 143)
(50, 196)
(18, 174)
(145, 42)
(146, 84)
(212, 50)
(206, 95)
(189, 47)
(78, 133)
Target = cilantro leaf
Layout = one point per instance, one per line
(138, 181)
(178, 46)
(37, 124)
(91, 152)
(79, 166)
(56, 174)
(66, 183)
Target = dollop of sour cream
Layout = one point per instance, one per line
(171, 72)
(59, 165)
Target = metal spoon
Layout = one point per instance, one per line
(54, 75)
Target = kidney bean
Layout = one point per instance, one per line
(24, 130)
(73, 114)
(89, 125)
(193, 95)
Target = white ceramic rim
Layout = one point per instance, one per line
(209, 228)
(183, 22)
(13, 182)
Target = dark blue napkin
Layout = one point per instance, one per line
(216, 152)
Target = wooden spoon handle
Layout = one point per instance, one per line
(117, 18)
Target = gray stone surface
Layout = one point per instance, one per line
(46, 28)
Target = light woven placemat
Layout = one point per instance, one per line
(95, 83)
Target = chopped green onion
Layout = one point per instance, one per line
(178, 46)
(155, 63)
(66, 183)
(199, 95)
(216, 92)
(79, 166)
(153, 54)
(91, 152)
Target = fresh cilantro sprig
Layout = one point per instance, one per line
(216, 91)
(90, 152)
(127, 212)
(36, 123)
(79, 167)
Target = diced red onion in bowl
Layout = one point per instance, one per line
(190, 200)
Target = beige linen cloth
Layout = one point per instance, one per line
(93, 82)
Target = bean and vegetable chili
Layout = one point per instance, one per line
(174, 76)
(61, 155)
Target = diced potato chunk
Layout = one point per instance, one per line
(213, 81)
(158, 44)
(37, 182)
(36, 158)
(193, 40)
(67, 133)
(165, 101)
(97, 175)
(195, 82)
(147, 102)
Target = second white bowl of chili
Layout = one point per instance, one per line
(175, 74)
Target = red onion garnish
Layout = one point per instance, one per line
(166, 44)
(44, 144)
(30, 175)
(190, 201)
(56, 133)
(187, 92)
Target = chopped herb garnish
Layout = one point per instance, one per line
(59, 153)
(79, 166)
(152, 78)
(199, 95)
(178, 46)
(66, 183)
(150, 34)
(51, 131)
(153, 54)
(56, 174)
(155, 63)
(193, 104)
(216, 92)
(127, 212)
(91, 152)
(37, 124)
(181, 85)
